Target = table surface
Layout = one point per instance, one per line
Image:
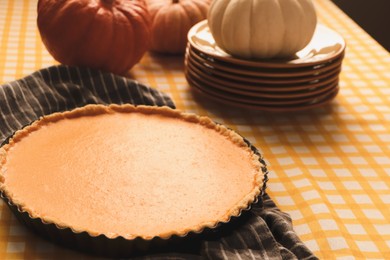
(329, 167)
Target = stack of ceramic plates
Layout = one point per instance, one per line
(305, 81)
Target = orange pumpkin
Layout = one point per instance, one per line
(111, 35)
(171, 21)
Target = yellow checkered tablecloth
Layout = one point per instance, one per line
(329, 167)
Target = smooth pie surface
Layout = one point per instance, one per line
(129, 174)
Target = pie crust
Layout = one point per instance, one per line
(129, 171)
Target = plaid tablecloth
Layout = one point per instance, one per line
(329, 167)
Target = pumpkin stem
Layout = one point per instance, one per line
(175, 1)
(107, 2)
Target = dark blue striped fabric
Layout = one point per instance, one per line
(61, 88)
(264, 232)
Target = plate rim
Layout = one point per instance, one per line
(263, 80)
(279, 88)
(213, 91)
(281, 109)
(264, 63)
(301, 72)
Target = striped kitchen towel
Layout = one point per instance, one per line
(264, 232)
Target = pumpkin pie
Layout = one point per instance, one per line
(129, 171)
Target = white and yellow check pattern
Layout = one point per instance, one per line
(329, 167)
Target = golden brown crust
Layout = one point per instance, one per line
(91, 110)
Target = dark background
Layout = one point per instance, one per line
(372, 15)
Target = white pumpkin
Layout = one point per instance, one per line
(255, 29)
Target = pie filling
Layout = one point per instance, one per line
(129, 171)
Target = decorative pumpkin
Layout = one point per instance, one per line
(171, 21)
(111, 35)
(262, 29)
